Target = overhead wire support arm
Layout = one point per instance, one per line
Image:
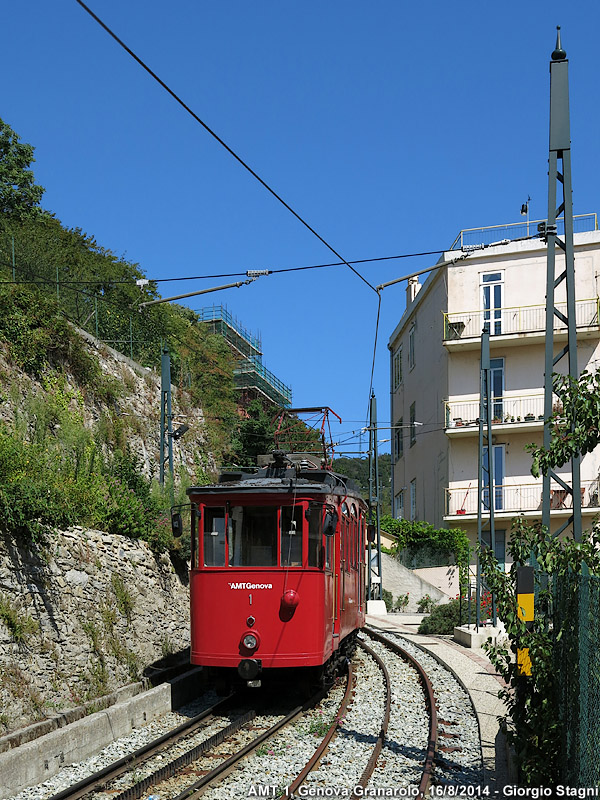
(193, 294)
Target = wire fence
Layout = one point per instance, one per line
(577, 665)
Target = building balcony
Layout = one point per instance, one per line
(512, 413)
(526, 498)
(518, 325)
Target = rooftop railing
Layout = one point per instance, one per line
(471, 237)
(520, 319)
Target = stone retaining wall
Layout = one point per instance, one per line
(80, 616)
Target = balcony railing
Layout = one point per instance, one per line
(520, 497)
(509, 408)
(520, 319)
(471, 237)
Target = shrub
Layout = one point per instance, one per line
(426, 604)
(388, 599)
(447, 616)
(401, 602)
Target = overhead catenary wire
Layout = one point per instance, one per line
(215, 136)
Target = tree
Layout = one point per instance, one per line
(20, 196)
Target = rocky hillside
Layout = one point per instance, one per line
(79, 607)
(78, 619)
(133, 417)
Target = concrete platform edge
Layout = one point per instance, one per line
(35, 761)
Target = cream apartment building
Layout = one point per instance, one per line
(435, 373)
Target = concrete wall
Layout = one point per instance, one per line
(426, 386)
(398, 580)
(38, 760)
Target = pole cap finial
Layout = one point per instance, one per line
(559, 54)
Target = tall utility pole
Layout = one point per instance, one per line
(486, 491)
(560, 151)
(374, 496)
(166, 417)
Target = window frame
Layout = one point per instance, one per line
(397, 377)
(411, 346)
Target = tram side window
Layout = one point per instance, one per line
(214, 537)
(315, 537)
(291, 536)
(253, 536)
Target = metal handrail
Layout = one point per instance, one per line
(505, 408)
(516, 319)
(461, 500)
(582, 223)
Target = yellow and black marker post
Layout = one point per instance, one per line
(525, 602)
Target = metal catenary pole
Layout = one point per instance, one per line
(166, 418)
(560, 151)
(377, 492)
(486, 491)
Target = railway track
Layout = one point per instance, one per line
(379, 729)
(152, 770)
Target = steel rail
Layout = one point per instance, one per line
(316, 756)
(429, 699)
(114, 770)
(196, 789)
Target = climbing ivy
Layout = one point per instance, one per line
(413, 535)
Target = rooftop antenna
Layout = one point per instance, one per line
(525, 211)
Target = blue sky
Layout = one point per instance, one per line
(388, 126)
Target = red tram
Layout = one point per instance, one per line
(277, 578)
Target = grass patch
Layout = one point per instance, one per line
(21, 626)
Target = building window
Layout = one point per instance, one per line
(397, 368)
(413, 499)
(497, 387)
(398, 440)
(413, 427)
(491, 301)
(411, 346)
(399, 505)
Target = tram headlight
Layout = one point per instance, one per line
(250, 641)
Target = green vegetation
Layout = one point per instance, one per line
(388, 599)
(122, 595)
(426, 604)
(445, 617)
(19, 195)
(21, 626)
(401, 601)
(413, 536)
(358, 470)
(536, 731)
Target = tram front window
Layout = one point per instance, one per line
(214, 537)
(291, 536)
(252, 536)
